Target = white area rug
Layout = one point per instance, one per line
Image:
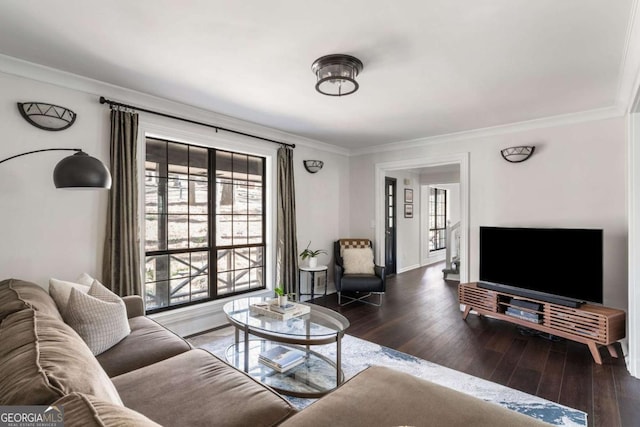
(359, 354)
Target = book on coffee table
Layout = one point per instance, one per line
(289, 307)
(266, 309)
(281, 358)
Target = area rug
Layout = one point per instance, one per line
(359, 354)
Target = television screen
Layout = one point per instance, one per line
(558, 261)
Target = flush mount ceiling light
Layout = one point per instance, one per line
(517, 154)
(337, 74)
(313, 166)
(47, 116)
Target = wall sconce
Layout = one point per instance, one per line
(79, 170)
(47, 116)
(313, 166)
(517, 154)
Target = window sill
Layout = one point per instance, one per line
(194, 319)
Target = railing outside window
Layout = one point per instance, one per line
(204, 224)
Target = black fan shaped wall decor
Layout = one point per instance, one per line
(47, 116)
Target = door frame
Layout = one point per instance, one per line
(381, 169)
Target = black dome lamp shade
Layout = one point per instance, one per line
(79, 170)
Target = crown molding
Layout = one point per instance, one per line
(560, 120)
(29, 70)
(24, 69)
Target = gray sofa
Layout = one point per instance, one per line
(153, 377)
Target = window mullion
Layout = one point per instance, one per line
(213, 253)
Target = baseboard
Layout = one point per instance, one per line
(408, 268)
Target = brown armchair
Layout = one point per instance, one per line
(362, 278)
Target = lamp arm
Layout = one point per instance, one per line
(38, 151)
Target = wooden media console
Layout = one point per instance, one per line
(589, 324)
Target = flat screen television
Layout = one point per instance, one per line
(558, 265)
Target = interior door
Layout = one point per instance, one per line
(390, 225)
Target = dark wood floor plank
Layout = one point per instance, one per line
(605, 404)
(551, 380)
(503, 372)
(577, 381)
(627, 393)
(421, 316)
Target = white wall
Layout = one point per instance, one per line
(47, 232)
(322, 206)
(407, 229)
(576, 178)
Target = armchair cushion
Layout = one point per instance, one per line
(358, 261)
(361, 283)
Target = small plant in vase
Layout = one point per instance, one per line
(282, 297)
(311, 254)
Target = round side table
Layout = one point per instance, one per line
(312, 273)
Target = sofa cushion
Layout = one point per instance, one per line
(42, 359)
(380, 396)
(99, 317)
(16, 295)
(81, 410)
(197, 388)
(147, 343)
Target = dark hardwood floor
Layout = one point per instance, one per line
(421, 316)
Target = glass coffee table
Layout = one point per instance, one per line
(316, 376)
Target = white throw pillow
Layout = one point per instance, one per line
(60, 291)
(358, 261)
(99, 317)
(85, 279)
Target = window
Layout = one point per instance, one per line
(204, 224)
(437, 218)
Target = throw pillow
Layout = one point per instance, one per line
(60, 290)
(85, 279)
(358, 261)
(99, 317)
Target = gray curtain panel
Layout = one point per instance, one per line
(287, 247)
(121, 266)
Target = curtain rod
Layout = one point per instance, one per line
(111, 103)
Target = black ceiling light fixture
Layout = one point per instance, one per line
(79, 170)
(337, 74)
(47, 116)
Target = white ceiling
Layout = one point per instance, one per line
(431, 67)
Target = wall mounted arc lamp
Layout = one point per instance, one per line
(79, 170)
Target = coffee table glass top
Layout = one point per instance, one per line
(320, 323)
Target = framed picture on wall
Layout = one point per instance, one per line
(408, 210)
(408, 195)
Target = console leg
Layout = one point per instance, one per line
(467, 310)
(612, 351)
(595, 353)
